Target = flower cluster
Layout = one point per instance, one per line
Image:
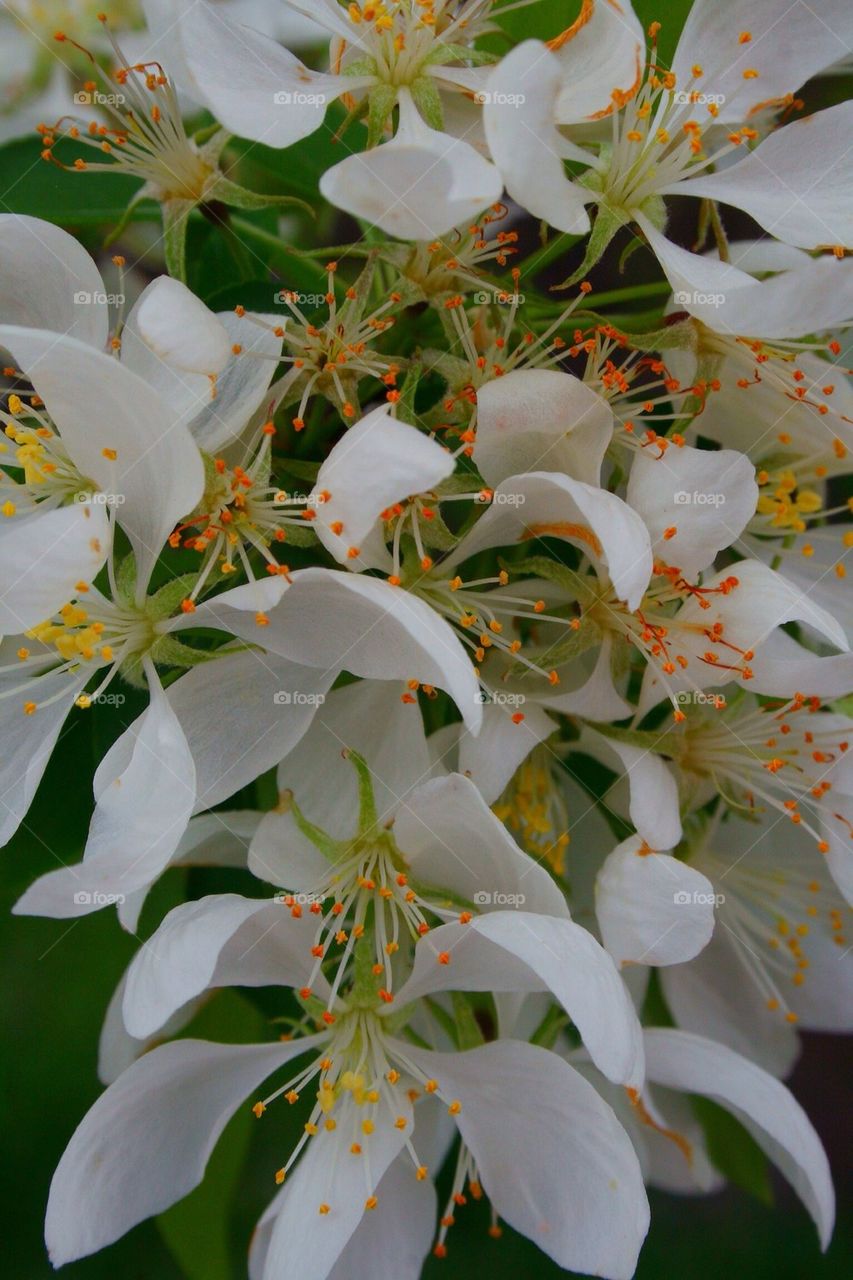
(512, 617)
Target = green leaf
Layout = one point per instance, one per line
(196, 1229)
(34, 186)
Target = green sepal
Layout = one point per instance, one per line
(646, 739)
(579, 587)
(231, 193)
(170, 652)
(381, 101)
(548, 1031)
(126, 579)
(468, 1033)
(368, 817)
(330, 849)
(608, 221)
(175, 216)
(163, 603)
(427, 99)
(442, 54)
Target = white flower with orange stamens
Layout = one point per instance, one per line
(660, 136)
(146, 138)
(778, 958)
(670, 1142)
(420, 183)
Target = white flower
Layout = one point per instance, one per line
(664, 139)
(670, 1142)
(420, 184)
(376, 1091)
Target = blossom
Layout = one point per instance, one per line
(664, 138)
(420, 184)
(147, 139)
(670, 1141)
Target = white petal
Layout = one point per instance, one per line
(796, 184)
(526, 1113)
(43, 555)
(519, 117)
(450, 838)
(347, 622)
(702, 285)
(28, 740)
(763, 1105)
(652, 908)
(653, 789)
(419, 185)
(217, 941)
(178, 329)
(240, 714)
(254, 87)
(789, 45)
(48, 281)
(717, 995)
(706, 496)
(146, 1141)
(130, 839)
(378, 462)
(117, 1049)
(152, 464)
(541, 420)
(242, 385)
(328, 1173)
(545, 505)
(519, 951)
(602, 54)
(501, 746)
